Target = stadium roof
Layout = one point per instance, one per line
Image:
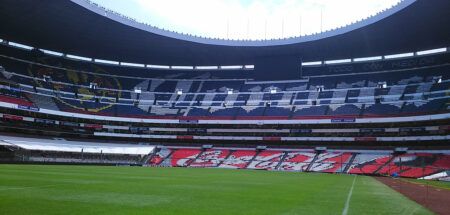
(78, 27)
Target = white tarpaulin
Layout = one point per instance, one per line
(75, 146)
(2, 143)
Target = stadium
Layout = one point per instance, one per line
(103, 114)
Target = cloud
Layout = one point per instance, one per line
(248, 19)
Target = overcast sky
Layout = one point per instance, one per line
(247, 19)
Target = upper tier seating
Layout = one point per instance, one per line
(413, 91)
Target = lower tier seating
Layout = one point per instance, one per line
(183, 157)
(210, 158)
(411, 165)
(267, 160)
(238, 159)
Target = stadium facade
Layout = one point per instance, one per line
(368, 98)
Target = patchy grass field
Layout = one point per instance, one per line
(33, 189)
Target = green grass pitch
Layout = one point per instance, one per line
(34, 189)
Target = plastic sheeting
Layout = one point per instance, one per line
(75, 146)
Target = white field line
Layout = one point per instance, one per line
(347, 203)
(23, 188)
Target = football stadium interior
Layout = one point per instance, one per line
(354, 120)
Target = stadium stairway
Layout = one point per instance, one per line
(230, 152)
(199, 87)
(251, 160)
(349, 164)
(43, 101)
(312, 162)
(384, 164)
(146, 159)
(281, 160)
(166, 160)
(188, 164)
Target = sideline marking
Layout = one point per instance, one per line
(347, 203)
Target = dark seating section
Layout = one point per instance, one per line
(345, 109)
(278, 111)
(425, 106)
(301, 111)
(199, 111)
(382, 109)
(250, 111)
(224, 112)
